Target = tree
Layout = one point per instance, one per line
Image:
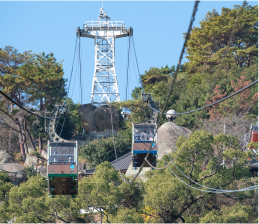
(29, 203)
(72, 122)
(207, 43)
(100, 150)
(114, 200)
(199, 158)
(45, 82)
(10, 81)
(238, 105)
(29, 80)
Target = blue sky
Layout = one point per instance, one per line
(46, 26)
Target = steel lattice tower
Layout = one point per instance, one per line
(104, 85)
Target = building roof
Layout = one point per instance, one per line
(123, 162)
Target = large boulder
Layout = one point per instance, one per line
(43, 171)
(13, 170)
(4, 157)
(168, 134)
(98, 119)
(30, 160)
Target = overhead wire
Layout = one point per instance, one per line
(127, 77)
(22, 107)
(219, 101)
(21, 171)
(80, 71)
(179, 62)
(172, 162)
(167, 165)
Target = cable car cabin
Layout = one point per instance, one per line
(142, 138)
(62, 168)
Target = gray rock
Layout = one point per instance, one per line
(16, 178)
(44, 154)
(131, 171)
(30, 160)
(81, 167)
(43, 171)
(98, 119)
(4, 157)
(168, 134)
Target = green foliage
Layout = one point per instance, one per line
(98, 151)
(174, 201)
(45, 82)
(208, 42)
(125, 215)
(37, 154)
(238, 213)
(72, 122)
(253, 145)
(5, 186)
(105, 192)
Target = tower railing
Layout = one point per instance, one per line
(104, 25)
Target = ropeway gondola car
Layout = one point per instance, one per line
(144, 138)
(62, 165)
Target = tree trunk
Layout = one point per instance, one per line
(40, 144)
(29, 134)
(31, 140)
(21, 140)
(248, 62)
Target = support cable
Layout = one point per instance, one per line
(219, 101)
(203, 108)
(215, 79)
(47, 118)
(79, 58)
(172, 162)
(169, 93)
(1, 170)
(127, 79)
(179, 62)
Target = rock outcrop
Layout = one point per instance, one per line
(12, 168)
(30, 160)
(98, 119)
(4, 157)
(43, 171)
(168, 134)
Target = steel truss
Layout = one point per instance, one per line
(105, 83)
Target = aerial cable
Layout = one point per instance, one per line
(71, 71)
(215, 79)
(80, 78)
(218, 191)
(137, 64)
(172, 162)
(219, 101)
(183, 48)
(179, 62)
(128, 62)
(47, 118)
(169, 93)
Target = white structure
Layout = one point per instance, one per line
(104, 32)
